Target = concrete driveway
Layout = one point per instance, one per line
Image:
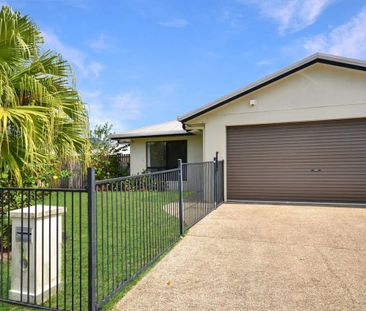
(262, 257)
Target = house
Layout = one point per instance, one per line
(296, 135)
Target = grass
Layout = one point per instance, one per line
(133, 229)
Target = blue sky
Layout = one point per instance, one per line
(140, 62)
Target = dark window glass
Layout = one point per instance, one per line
(175, 150)
(156, 155)
(162, 155)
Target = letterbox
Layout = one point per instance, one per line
(36, 252)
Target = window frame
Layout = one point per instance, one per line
(162, 168)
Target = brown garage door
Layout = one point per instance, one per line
(316, 161)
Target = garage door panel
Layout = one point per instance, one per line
(324, 161)
(278, 146)
(296, 170)
(295, 139)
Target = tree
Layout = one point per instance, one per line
(43, 122)
(105, 153)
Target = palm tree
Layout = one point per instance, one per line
(42, 118)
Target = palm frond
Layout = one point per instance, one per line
(41, 113)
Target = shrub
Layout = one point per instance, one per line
(105, 153)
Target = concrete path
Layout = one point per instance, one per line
(262, 257)
(192, 211)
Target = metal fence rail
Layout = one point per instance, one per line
(203, 189)
(137, 220)
(220, 194)
(43, 248)
(198, 193)
(74, 249)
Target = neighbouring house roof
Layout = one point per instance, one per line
(170, 128)
(306, 62)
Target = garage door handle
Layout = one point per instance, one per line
(316, 170)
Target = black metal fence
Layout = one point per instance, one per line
(220, 184)
(137, 220)
(44, 248)
(199, 191)
(74, 249)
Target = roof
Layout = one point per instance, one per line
(170, 128)
(306, 62)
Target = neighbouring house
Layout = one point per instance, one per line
(296, 135)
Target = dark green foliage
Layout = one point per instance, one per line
(105, 153)
(11, 200)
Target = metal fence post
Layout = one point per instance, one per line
(91, 239)
(216, 162)
(180, 187)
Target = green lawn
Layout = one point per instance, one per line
(133, 228)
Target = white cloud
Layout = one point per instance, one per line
(127, 105)
(90, 94)
(264, 63)
(292, 15)
(165, 90)
(233, 17)
(348, 39)
(175, 23)
(118, 110)
(77, 58)
(98, 44)
(95, 68)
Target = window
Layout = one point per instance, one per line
(164, 155)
